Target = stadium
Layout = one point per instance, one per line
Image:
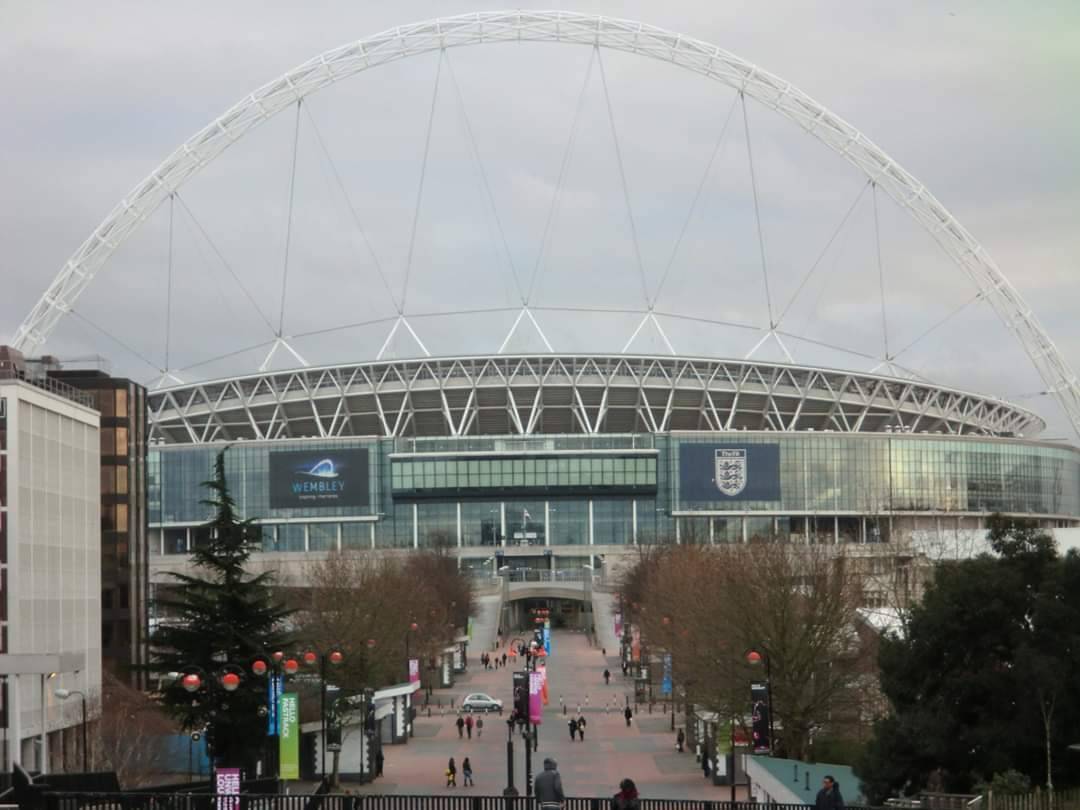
(556, 462)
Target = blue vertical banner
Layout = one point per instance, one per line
(665, 684)
(274, 688)
(547, 636)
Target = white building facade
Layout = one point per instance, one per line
(50, 570)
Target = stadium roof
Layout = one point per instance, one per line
(568, 394)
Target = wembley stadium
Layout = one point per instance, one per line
(570, 453)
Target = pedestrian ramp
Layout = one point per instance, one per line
(604, 608)
(487, 609)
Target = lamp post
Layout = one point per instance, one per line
(64, 694)
(755, 657)
(193, 679)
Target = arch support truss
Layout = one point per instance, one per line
(564, 27)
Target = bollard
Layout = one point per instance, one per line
(429, 710)
(451, 703)
(564, 710)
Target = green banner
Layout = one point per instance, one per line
(289, 741)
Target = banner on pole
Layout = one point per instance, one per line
(274, 688)
(665, 683)
(759, 719)
(536, 707)
(289, 741)
(414, 670)
(547, 636)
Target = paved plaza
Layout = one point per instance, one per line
(644, 752)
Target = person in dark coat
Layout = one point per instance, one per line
(829, 798)
(469, 725)
(547, 787)
(706, 761)
(627, 797)
(607, 677)
(572, 723)
(466, 770)
(504, 660)
(379, 760)
(680, 740)
(460, 726)
(581, 727)
(629, 715)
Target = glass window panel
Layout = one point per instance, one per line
(322, 536)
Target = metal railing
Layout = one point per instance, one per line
(53, 386)
(330, 801)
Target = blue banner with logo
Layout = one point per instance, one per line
(274, 688)
(547, 636)
(729, 472)
(665, 683)
(318, 478)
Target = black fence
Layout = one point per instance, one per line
(331, 801)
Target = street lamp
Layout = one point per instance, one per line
(64, 694)
(754, 658)
(335, 657)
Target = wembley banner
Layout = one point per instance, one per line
(314, 479)
(729, 472)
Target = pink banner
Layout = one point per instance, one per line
(536, 706)
(618, 626)
(414, 670)
(227, 786)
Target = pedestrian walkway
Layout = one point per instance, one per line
(610, 751)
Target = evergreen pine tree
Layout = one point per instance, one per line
(216, 621)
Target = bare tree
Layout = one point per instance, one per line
(708, 606)
(130, 734)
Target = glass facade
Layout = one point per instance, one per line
(442, 477)
(875, 474)
(823, 487)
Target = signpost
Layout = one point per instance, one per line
(289, 741)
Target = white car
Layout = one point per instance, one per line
(479, 702)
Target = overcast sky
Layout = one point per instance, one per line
(976, 99)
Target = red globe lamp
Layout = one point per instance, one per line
(230, 681)
(191, 682)
(291, 666)
(259, 666)
(336, 657)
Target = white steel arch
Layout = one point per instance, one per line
(568, 27)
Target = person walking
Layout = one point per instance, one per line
(469, 725)
(829, 798)
(547, 787)
(627, 797)
(607, 677)
(581, 727)
(628, 714)
(479, 726)
(460, 726)
(706, 761)
(379, 760)
(466, 771)
(572, 723)
(451, 773)
(504, 662)
(680, 740)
